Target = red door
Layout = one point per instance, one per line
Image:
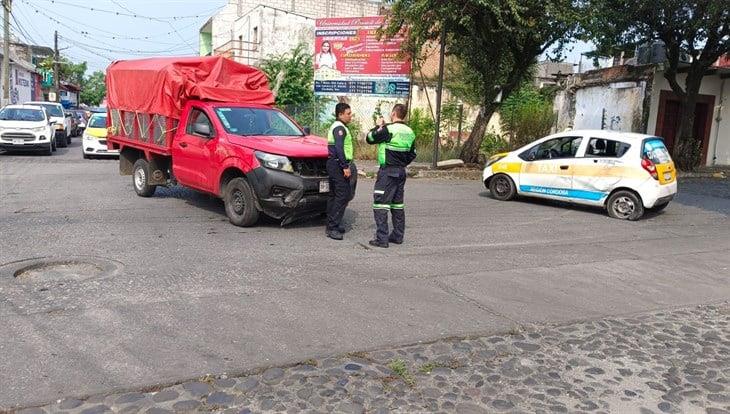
(192, 153)
(669, 114)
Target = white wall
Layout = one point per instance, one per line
(622, 101)
(21, 85)
(719, 144)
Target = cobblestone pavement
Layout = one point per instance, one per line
(673, 362)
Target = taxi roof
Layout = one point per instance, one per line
(605, 134)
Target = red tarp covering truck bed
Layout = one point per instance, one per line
(163, 85)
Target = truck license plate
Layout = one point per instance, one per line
(667, 176)
(18, 141)
(324, 186)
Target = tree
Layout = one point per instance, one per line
(69, 72)
(294, 74)
(494, 41)
(93, 89)
(291, 76)
(699, 29)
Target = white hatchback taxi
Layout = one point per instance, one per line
(626, 173)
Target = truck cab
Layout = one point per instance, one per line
(210, 124)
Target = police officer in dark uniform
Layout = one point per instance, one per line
(396, 149)
(341, 170)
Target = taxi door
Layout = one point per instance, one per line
(599, 169)
(548, 168)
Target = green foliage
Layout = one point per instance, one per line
(297, 70)
(494, 144)
(93, 89)
(69, 72)
(494, 42)
(423, 126)
(526, 116)
(400, 369)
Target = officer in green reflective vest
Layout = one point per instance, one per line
(396, 149)
(340, 169)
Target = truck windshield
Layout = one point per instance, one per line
(52, 109)
(256, 122)
(17, 114)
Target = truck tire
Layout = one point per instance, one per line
(141, 179)
(240, 203)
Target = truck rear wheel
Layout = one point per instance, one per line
(240, 203)
(141, 179)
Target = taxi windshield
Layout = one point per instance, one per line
(98, 121)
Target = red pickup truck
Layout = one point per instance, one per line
(209, 124)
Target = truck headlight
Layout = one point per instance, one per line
(493, 159)
(274, 162)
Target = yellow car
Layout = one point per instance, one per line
(625, 173)
(94, 139)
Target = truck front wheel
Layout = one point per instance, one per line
(240, 203)
(141, 179)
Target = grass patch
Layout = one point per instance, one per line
(398, 366)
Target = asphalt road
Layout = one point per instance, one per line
(191, 294)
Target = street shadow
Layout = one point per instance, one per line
(215, 205)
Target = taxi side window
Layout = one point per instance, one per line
(600, 147)
(563, 147)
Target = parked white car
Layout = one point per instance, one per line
(26, 127)
(625, 173)
(63, 124)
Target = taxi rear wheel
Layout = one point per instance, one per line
(502, 187)
(625, 205)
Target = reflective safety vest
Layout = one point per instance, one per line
(348, 139)
(399, 151)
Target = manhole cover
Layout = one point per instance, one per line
(54, 270)
(49, 272)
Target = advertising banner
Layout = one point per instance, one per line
(350, 60)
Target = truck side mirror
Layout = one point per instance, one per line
(202, 129)
(307, 130)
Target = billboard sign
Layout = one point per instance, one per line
(350, 60)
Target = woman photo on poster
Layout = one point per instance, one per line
(326, 58)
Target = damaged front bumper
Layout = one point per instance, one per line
(288, 196)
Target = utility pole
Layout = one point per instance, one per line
(56, 61)
(439, 90)
(7, 4)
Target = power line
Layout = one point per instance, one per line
(135, 15)
(28, 38)
(110, 35)
(122, 51)
(29, 22)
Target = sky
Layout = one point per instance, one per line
(99, 31)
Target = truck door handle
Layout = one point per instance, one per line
(564, 167)
(183, 144)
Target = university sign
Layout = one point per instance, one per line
(350, 60)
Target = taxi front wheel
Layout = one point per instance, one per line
(502, 187)
(625, 205)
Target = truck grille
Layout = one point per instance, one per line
(310, 167)
(9, 136)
